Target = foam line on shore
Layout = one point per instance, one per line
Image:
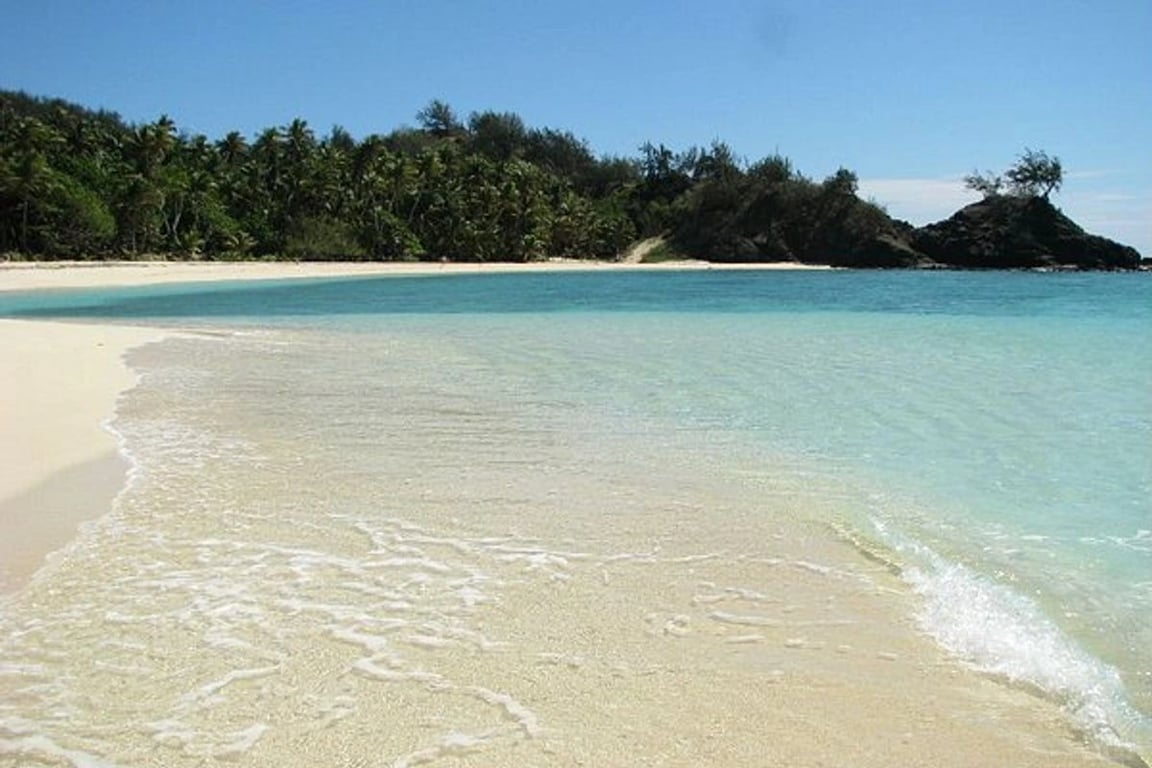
(1002, 632)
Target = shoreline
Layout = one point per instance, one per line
(52, 433)
(35, 275)
(65, 407)
(59, 385)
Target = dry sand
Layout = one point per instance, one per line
(16, 276)
(59, 465)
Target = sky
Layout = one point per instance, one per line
(911, 96)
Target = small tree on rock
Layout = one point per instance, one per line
(1035, 174)
(988, 184)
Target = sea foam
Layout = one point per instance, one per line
(1004, 633)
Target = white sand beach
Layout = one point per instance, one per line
(17, 276)
(58, 464)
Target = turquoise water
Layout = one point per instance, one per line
(989, 433)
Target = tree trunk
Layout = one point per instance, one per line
(24, 227)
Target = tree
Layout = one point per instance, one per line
(1035, 174)
(26, 177)
(559, 152)
(499, 135)
(987, 184)
(232, 148)
(439, 120)
(774, 169)
(842, 184)
(717, 164)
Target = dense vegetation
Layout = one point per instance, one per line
(77, 183)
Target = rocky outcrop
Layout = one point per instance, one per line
(886, 251)
(839, 230)
(1003, 232)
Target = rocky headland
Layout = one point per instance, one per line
(1006, 232)
(999, 232)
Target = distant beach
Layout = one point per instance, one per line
(18, 276)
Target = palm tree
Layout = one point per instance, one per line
(232, 148)
(27, 176)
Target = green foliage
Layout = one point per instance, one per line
(1035, 174)
(774, 169)
(499, 136)
(77, 222)
(770, 213)
(321, 238)
(987, 184)
(439, 120)
(79, 183)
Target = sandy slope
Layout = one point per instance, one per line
(58, 384)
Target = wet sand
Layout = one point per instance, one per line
(60, 382)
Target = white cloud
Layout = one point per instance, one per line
(919, 201)
(1114, 198)
(1089, 174)
(1126, 218)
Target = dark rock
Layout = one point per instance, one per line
(1018, 233)
(889, 251)
(812, 225)
(727, 248)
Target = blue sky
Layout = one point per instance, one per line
(910, 95)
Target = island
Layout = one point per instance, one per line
(83, 184)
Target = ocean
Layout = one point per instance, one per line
(347, 486)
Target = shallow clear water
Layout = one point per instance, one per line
(989, 433)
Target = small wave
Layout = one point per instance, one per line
(1004, 633)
